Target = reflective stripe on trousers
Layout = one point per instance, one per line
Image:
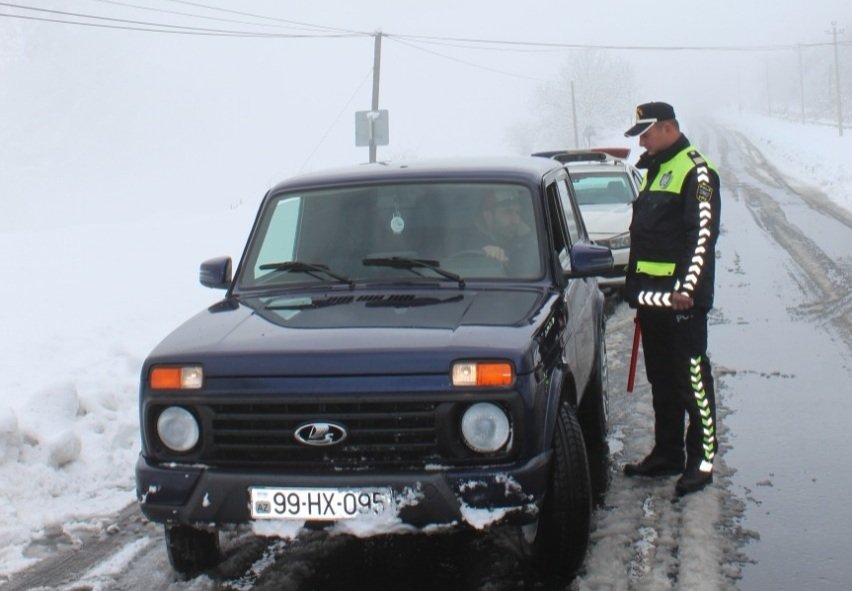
(708, 428)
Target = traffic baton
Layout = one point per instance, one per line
(634, 354)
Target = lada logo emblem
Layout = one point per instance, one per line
(320, 434)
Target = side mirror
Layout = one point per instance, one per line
(589, 260)
(216, 273)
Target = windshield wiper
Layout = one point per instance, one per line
(314, 269)
(306, 303)
(412, 264)
(413, 302)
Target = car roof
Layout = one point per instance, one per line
(598, 167)
(591, 159)
(527, 170)
(596, 153)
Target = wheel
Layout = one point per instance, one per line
(556, 544)
(191, 550)
(593, 415)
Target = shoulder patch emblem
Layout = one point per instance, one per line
(665, 180)
(705, 192)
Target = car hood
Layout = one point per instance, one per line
(351, 333)
(607, 220)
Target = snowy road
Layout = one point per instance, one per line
(783, 339)
(780, 341)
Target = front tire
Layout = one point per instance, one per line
(593, 415)
(191, 550)
(557, 543)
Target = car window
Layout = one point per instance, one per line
(561, 241)
(475, 230)
(602, 188)
(280, 235)
(568, 211)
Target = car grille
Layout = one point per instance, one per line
(406, 433)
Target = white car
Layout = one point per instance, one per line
(606, 186)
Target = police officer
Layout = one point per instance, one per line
(670, 283)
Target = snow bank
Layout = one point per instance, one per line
(815, 154)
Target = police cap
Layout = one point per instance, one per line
(647, 114)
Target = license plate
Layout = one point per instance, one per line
(318, 504)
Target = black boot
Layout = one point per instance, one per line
(654, 466)
(693, 480)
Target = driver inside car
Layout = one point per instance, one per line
(499, 230)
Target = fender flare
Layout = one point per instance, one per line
(561, 388)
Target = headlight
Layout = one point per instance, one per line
(485, 427)
(177, 429)
(190, 377)
(492, 373)
(619, 241)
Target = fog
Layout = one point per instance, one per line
(128, 155)
(108, 120)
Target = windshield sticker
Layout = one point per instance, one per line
(397, 224)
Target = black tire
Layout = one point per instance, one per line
(593, 415)
(557, 543)
(191, 550)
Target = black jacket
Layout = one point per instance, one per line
(674, 229)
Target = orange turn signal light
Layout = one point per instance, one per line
(176, 378)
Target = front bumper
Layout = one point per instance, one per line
(194, 495)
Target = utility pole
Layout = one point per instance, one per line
(574, 116)
(834, 32)
(377, 64)
(802, 83)
(768, 90)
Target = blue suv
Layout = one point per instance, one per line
(409, 344)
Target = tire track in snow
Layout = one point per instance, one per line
(68, 568)
(644, 537)
(828, 282)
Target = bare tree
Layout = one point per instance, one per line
(603, 89)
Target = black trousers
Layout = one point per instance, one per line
(675, 347)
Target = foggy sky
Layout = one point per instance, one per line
(102, 123)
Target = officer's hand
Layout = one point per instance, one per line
(681, 302)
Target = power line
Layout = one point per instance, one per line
(194, 15)
(272, 18)
(497, 43)
(118, 27)
(336, 119)
(157, 27)
(474, 47)
(461, 61)
(331, 32)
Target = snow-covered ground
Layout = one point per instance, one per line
(815, 154)
(84, 304)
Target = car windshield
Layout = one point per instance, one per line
(408, 232)
(604, 188)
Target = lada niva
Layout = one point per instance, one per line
(406, 344)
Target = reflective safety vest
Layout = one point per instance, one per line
(674, 230)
